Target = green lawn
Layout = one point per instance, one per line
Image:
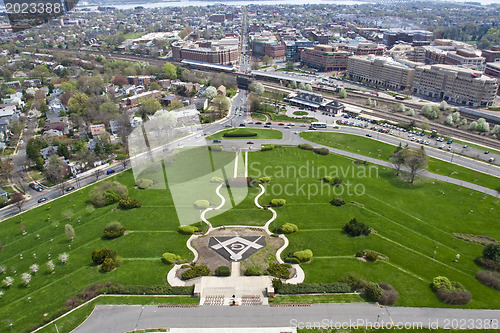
(262, 133)
(309, 299)
(301, 113)
(414, 226)
(259, 116)
(382, 151)
(134, 35)
(71, 321)
(389, 330)
(414, 223)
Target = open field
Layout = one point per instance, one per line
(262, 133)
(382, 151)
(412, 230)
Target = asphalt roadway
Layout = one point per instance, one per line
(123, 318)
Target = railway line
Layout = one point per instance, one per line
(394, 117)
(399, 118)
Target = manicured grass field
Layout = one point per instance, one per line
(382, 151)
(389, 330)
(262, 133)
(311, 299)
(71, 321)
(413, 223)
(151, 231)
(134, 35)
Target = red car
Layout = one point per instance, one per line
(281, 124)
(250, 142)
(258, 123)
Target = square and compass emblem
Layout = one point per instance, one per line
(237, 248)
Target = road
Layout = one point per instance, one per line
(123, 318)
(239, 115)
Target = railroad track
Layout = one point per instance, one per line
(399, 118)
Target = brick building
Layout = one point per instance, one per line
(324, 58)
(215, 52)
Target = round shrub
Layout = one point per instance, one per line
(371, 255)
(373, 292)
(264, 179)
(187, 229)
(114, 230)
(441, 282)
(277, 202)
(108, 265)
(222, 271)
(129, 203)
(354, 228)
(303, 256)
(305, 146)
(144, 183)
(170, 258)
(389, 294)
(337, 202)
(253, 271)
(287, 228)
(99, 255)
(201, 204)
(492, 252)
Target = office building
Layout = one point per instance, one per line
(324, 58)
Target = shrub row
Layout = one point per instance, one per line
(222, 271)
(305, 146)
(321, 151)
(112, 288)
(312, 288)
(488, 264)
(450, 292)
(129, 203)
(490, 279)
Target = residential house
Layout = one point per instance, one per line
(114, 127)
(201, 103)
(52, 133)
(167, 100)
(47, 152)
(58, 123)
(221, 90)
(97, 130)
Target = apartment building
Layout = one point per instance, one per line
(380, 71)
(492, 55)
(324, 58)
(408, 36)
(224, 51)
(465, 58)
(293, 48)
(364, 48)
(266, 44)
(454, 84)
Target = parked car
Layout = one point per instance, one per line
(492, 159)
(487, 152)
(110, 171)
(258, 123)
(250, 143)
(465, 146)
(35, 187)
(242, 125)
(450, 141)
(216, 141)
(42, 200)
(69, 189)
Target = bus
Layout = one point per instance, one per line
(318, 125)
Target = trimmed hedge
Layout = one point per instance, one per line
(321, 151)
(303, 256)
(187, 229)
(253, 271)
(239, 132)
(287, 228)
(114, 230)
(170, 258)
(450, 292)
(312, 288)
(201, 204)
(277, 202)
(492, 252)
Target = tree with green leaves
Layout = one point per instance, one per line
(342, 93)
(416, 161)
(149, 106)
(78, 104)
(40, 72)
(170, 71)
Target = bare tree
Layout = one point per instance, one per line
(18, 200)
(97, 173)
(416, 161)
(70, 232)
(20, 183)
(62, 186)
(397, 159)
